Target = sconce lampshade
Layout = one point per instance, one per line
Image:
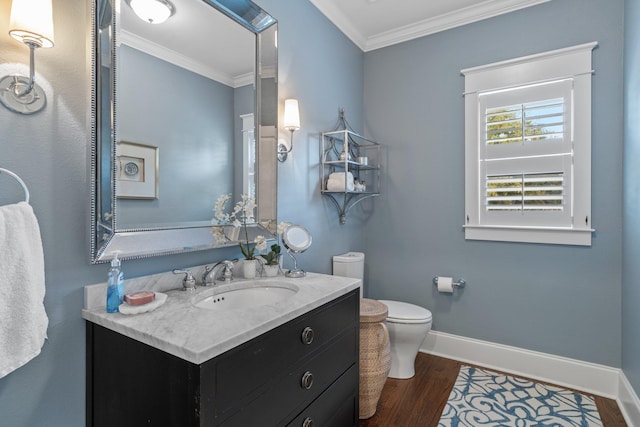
(291, 114)
(32, 22)
(152, 11)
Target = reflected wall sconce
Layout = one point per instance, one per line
(152, 11)
(31, 23)
(292, 124)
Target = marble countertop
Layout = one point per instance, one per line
(196, 334)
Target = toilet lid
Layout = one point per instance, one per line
(403, 312)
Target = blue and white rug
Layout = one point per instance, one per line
(485, 398)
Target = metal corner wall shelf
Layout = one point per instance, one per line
(350, 167)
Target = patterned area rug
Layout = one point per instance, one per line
(485, 398)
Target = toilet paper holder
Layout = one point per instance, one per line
(459, 284)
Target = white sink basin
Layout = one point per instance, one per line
(247, 295)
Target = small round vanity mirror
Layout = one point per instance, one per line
(297, 240)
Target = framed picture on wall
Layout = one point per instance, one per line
(136, 171)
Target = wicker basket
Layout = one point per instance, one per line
(375, 355)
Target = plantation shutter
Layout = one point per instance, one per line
(526, 152)
(534, 191)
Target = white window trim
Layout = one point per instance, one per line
(572, 62)
(248, 156)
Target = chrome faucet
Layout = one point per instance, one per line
(189, 282)
(211, 273)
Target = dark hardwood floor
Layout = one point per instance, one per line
(419, 401)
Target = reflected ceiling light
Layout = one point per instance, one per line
(291, 123)
(152, 11)
(31, 23)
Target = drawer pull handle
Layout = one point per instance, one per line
(308, 422)
(307, 335)
(307, 380)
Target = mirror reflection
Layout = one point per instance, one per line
(195, 133)
(177, 123)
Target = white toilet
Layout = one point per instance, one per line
(408, 324)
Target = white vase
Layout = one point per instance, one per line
(249, 268)
(271, 270)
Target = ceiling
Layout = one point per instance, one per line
(373, 24)
(196, 30)
(198, 38)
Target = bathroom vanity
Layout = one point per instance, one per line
(293, 363)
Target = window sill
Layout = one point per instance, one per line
(548, 235)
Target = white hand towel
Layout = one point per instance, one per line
(336, 181)
(335, 185)
(23, 320)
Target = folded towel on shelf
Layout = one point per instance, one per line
(23, 320)
(336, 182)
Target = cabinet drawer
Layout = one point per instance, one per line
(248, 367)
(288, 394)
(336, 407)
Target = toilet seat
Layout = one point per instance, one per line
(402, 312)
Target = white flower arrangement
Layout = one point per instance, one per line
(241, 215)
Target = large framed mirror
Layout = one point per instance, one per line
(184, 111)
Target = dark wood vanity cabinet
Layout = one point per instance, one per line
(303, 373)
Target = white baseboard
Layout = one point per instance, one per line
(628, 402)
(589, 377)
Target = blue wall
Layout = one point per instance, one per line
(555, 299)
(631, 209)
(195, 144)
(323, 70)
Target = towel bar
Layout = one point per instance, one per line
(17, 178)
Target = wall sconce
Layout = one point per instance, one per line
(152, 11)
(32, 24)
(291, 123)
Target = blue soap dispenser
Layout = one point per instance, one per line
(115, 288)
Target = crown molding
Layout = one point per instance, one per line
(341, 21)
(243, 80)
(468, 15)
(181, 60)
(484, 10)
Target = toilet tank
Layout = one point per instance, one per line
(350, 264)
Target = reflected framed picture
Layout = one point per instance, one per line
(136, 171)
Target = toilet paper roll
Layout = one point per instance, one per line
(445, 284)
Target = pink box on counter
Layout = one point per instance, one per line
(139, 298)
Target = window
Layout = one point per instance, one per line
(248, 156)
(528, 149)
